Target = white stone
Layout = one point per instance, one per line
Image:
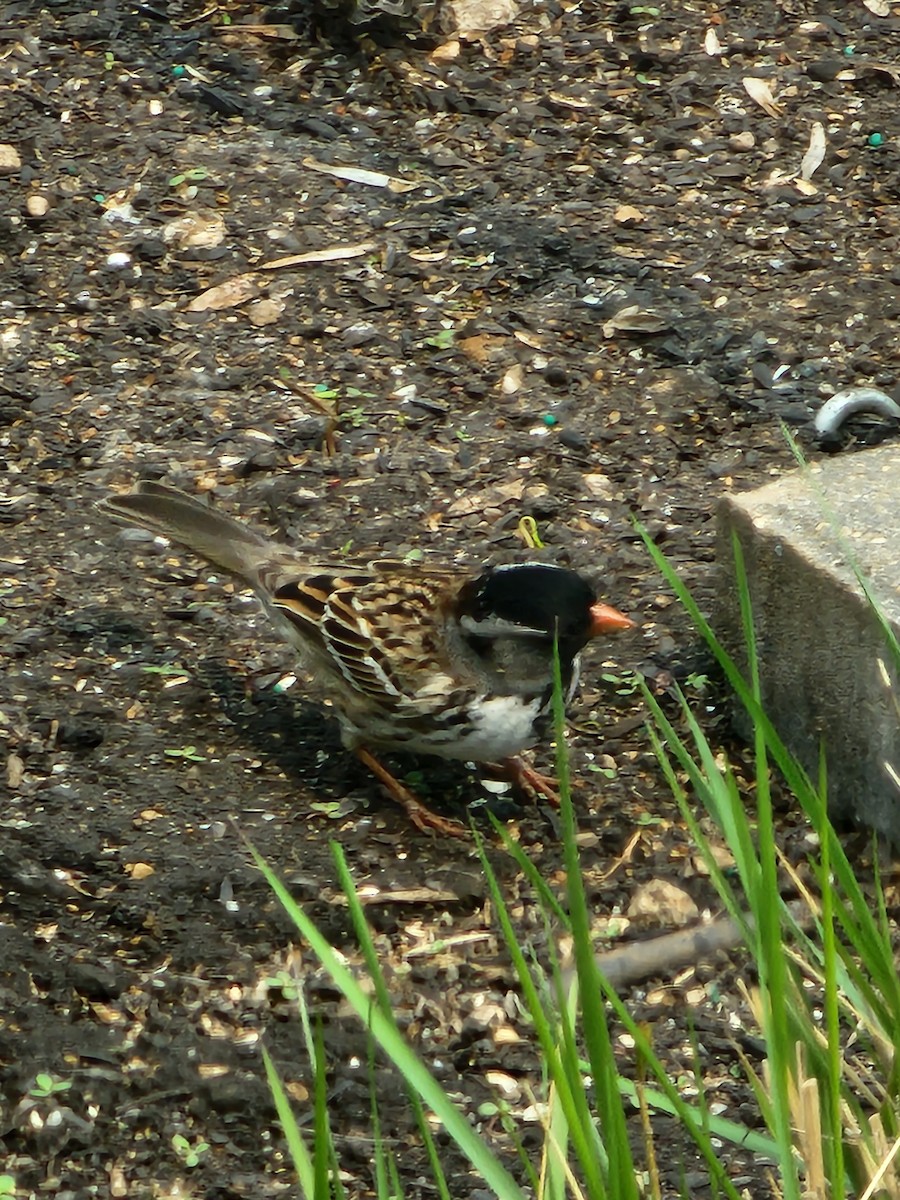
(827, 675)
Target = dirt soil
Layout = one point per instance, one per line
(584, 276)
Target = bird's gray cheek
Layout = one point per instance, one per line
(496, 627)
(576, 675)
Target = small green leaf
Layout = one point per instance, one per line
(328, 808)
(186, 752)
(45, 1085)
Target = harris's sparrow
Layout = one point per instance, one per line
(432, 661)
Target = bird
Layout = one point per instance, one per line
(426, 659)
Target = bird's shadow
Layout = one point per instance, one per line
(295, 734)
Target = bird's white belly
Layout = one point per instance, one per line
(495, 728)
(500, 726)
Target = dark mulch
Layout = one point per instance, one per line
(593, 291)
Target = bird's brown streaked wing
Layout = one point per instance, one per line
(302, 599)
(380, 634)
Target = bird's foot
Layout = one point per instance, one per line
(420, 815)
(530, 781)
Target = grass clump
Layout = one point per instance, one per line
(826, 1003)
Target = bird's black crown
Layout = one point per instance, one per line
(534, 596)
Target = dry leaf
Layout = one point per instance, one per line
(599, 486)
(118, 1184)
(815, 152)
(469, 17)
(281, 33)
(512, 380)
(492, 497)
(446, 53)
(575, 103)
(529, 339)
(202, 229)
(475, 347)
(759, 91)
(880, 67)
(428, 256)
(106, 1014)
(635, 319)
(711, 43)
(229, 294)
(665, 903)
(213, 1070)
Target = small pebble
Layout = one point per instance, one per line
(10, 162)
(573, 440)
(745, 140)
(37, 206)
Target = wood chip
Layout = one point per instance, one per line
(361, 175)
(139, 870)
(15, 772)
(711, 44)
(759, 91)
(231, 293)
(329, 254)
(815, 152)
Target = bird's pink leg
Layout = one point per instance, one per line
(518, 772)
(420, 815)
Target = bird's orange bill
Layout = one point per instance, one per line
(606, 619)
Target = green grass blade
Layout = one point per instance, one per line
(321, 1132)
(438, 1177)
(622, 1180)
(300, 1156)
(392, 1043)
(571, 1098)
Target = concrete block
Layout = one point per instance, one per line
(819, 641)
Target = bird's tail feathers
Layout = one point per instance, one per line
(173, 514)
